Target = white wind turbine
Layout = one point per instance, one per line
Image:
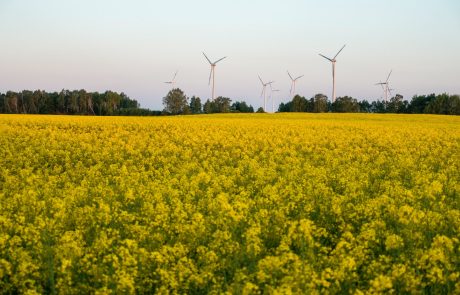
(293, 81)
(213, 65)
(272, 98)
(386, 87)
(173, 81)
(264, 86)
(333, 61)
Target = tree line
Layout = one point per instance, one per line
(177, 103)
(76, 102)
(444, 104)
(81, 102)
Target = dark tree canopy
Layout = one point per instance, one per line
(285, 107)
(241, 107)
(195, 105)
(76, 102)
(176, 102)
(397, 105)
(345, 104)
(319, 103)
(219, 105)
(420, 104)
(299, 104)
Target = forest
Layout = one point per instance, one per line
(444, 104)
(76, 102)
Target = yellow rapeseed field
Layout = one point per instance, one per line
(243, 204)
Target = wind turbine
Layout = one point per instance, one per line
(293, 81)
(386, 86)
(333, 61)
(173, 81)
(213, 65)
(264, 86)
(272, 98)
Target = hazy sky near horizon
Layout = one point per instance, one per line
(134, 46)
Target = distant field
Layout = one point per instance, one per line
(258, 203)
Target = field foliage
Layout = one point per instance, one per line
(244, 204)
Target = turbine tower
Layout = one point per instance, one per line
(173, 81)
(272, 98)
(386, 87)
(333, 61)
(213, 65)
(293, 81)
(264, 86)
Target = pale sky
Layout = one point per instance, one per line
(134, 46)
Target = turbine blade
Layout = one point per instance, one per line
(210, 74)
(220, 59)
(290, 75)
(299, 77)
(325, 57)
(263, 90)
(389, 75)
(207, 58)
(175, 74)
(261, 81)
(339, 51)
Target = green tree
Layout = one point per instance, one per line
(365, 106)
(62, 102)
(345, 104)
(241, 107)
(397, 104)
(175, 102)
(112, 102)
(419, 103)
(319, 103)
(379, 106)
(222, 104)
(3, 104)
(12, 102)
(74, 103)
(195, 105)
(41, 101)
(285, 107)
(28, 104)
(442, 104)
(454, 105)
(299, 104)
(209, 107)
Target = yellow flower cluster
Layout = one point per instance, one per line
(256, 203)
